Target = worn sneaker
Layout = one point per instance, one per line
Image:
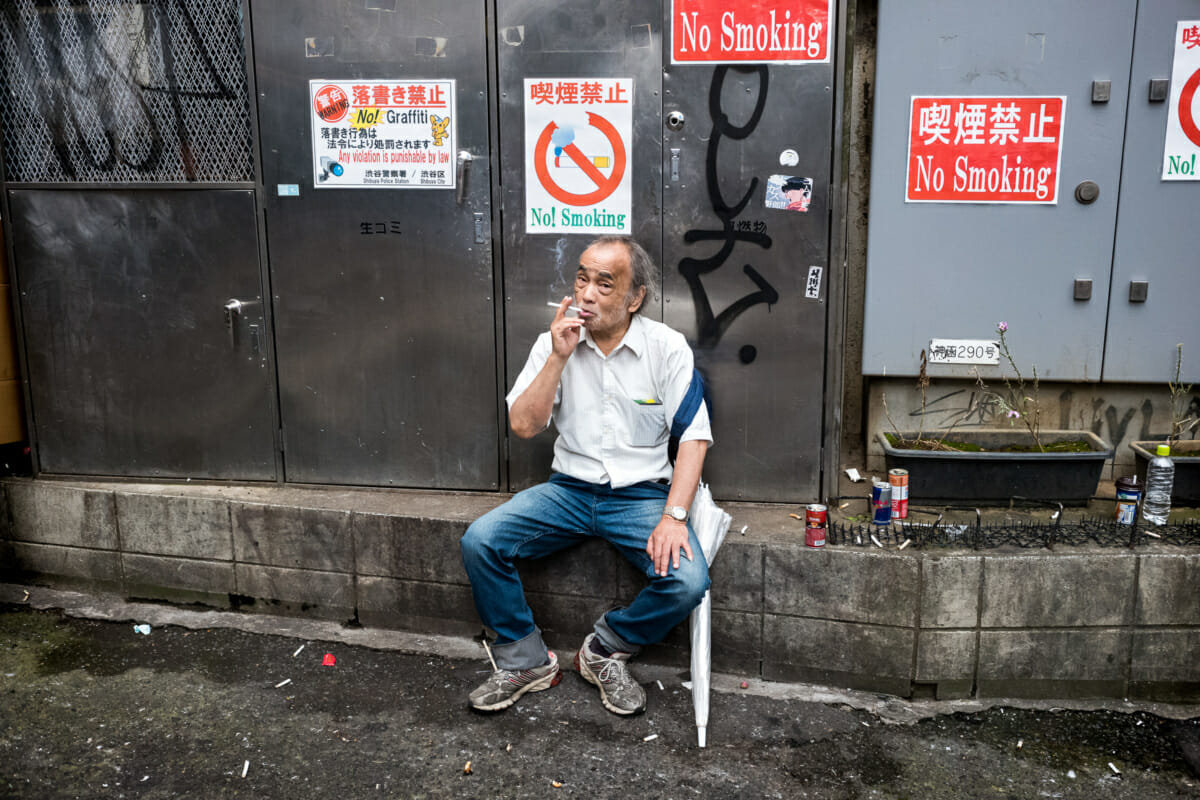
(505, 686)
(619, 692)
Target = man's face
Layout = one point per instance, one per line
(802, 196)
(602, 290)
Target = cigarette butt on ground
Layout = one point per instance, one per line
(245, 768)
(467, 768)
(795, 516)
(283, 683)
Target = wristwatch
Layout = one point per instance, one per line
(677, 513)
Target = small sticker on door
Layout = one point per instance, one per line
(812, 287)
(789, 193)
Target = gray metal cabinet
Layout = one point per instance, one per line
(133, 366)
(1063, 276)
(1155, 242)
(954, 270)
(383, 297)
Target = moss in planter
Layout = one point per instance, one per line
(935, 445)
(1190, 447)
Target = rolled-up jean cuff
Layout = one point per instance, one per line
(611, 640)
(524, 653)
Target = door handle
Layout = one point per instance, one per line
(464, 160)
(233, 313)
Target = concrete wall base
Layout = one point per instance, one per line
(1071, 623)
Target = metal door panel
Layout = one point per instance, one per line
(569, 40)
(1012, 262)
(1156, 226)
(383, 297)
(131, 367)
(738, 287)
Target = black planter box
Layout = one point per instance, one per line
(1068, 478)
(1185, 491)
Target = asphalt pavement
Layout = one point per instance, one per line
(229, 705)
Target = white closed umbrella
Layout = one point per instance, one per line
(710, 524)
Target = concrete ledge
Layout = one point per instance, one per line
(284, 536)
(1169, 590)
(1058, 590)
(179, 580)
(62, 514)
(183, 525)
(1074, 622)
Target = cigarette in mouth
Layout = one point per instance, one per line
(575, 309)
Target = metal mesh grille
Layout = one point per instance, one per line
(1024, 535)
(124, 91)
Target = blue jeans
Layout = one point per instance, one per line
(558, 514)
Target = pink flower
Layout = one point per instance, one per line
(1013, 413)
(1001, 327)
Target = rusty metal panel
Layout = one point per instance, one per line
(383, 297)
(133, 370)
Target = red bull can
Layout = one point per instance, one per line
(815, 516)
(881, 503)
(898, 478)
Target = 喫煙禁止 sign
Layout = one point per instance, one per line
(1183, 109)
(578, 154)
(383, 134)
(752, 32)
(984, 149)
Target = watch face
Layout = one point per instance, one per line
(678, 512)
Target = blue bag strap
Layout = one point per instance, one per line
(688, 406)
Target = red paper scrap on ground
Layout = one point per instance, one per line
(329, 660)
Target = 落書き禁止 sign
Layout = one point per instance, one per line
(383, 134)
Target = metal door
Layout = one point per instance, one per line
(1017, 261)
(385, 323)
(745, 276)
(561, 42)
(134, 366)
(1155, 240)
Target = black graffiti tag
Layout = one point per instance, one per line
(712, 327)
(97, 109)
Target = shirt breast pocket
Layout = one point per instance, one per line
(649, 425)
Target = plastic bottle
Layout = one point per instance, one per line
(1160, 478)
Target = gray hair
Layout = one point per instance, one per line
(641, 266)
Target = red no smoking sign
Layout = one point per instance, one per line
(578, 136)
(1181, 149)
(605, 184)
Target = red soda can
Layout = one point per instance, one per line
(815, 515)
(898, 478)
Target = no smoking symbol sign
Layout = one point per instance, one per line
(1187, 120)
(605, 184)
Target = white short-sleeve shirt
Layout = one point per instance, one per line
(614, 412)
